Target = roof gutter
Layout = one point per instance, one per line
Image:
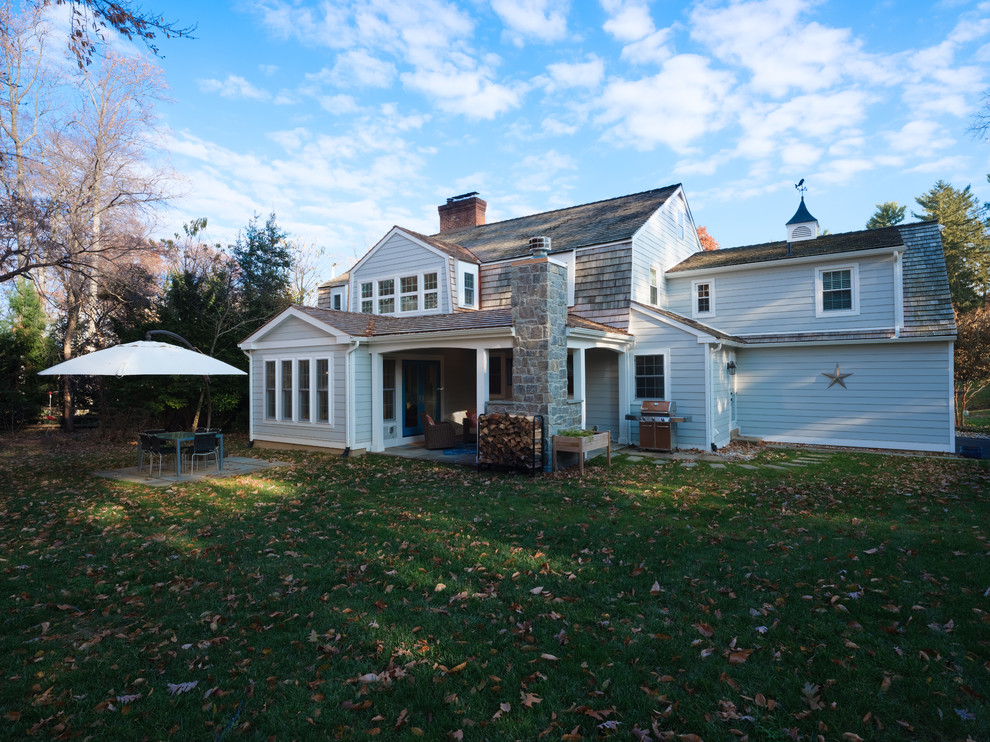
(782, 262)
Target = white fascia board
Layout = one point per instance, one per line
(703, 337)
(450, 338)
(255, 339)
(391, 233)
(663, 206)
(858, 341)
(583, 337)
(784, 262)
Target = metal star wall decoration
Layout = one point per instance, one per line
(837, 378)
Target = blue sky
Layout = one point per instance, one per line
(346, 118)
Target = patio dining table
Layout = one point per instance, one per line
(180, 437)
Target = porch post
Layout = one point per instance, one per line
(625, 401)
(377, 369)
(580, 392)
(481, 380)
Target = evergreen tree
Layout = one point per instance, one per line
(887, 214)
(264, 262)
(24, 351)
(965, 240)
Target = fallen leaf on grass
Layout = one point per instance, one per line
(529, 699)
(176, 689)
(704, 629)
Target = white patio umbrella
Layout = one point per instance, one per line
(143, 358)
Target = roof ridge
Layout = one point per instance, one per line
(671, 187)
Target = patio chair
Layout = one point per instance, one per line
(437, 435)
(204, 445)
(152, 445)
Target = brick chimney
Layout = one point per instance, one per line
(466, 210)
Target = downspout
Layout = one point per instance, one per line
(349, 364)
(708, 393)
(898, 292)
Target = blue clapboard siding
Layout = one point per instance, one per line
(659, 243)
(685, 376)
(602, 385)
(898, 395)
(398, 257)
(781, 298)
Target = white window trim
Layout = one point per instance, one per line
(397, 293)
(853, 269)
(295, 360)
(341, 294)
(695, 312)
(653, 272)
(665, 352)
(462, 270)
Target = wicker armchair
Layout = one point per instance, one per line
(437, 435)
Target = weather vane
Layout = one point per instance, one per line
(801, 187)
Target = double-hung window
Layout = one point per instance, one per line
(367, 297)
(270, 387)
(837, 291)
(431, 291)
(323, 390)
(500, 375)
(286, 390)
(388, 389)
(650, 377)
(386, 296)
(703, 299)
(303, 396)
(409, 293)
(654, 286)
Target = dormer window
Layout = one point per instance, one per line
(467, 285)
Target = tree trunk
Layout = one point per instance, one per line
(68, 405)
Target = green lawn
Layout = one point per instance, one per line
(377, 597)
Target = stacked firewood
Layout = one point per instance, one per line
(510, 440)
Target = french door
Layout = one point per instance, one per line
(420, 393)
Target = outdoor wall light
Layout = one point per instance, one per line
(731, 368)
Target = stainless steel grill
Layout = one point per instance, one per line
(658, 425)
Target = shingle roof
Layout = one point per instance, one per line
(927, 301)
(373, 325)
(450, 248)
(612, 220)
(867, 239)
(340, 280)
(690, 322)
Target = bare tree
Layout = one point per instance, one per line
(100, 181)
(91, 20)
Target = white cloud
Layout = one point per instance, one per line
(767, 38)
(837, 172)
(268, 70)
(469, 92)
(358, 68)
(544, 20)
(919, 136)
(577, 75)
(554, 126)
(628, 21)
(674, 107)
(544, 171)
(654, 49)
(233, 87)
(800, 154)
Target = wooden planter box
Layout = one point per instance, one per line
(580, 444)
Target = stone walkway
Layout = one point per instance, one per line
(728, 463)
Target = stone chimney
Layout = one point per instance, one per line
(466, 210)
(539, 346)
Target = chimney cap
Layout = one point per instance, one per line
(539, 246)
(462, 197)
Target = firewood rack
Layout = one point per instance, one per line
(529, 454)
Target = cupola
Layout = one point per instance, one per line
(802, 226)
